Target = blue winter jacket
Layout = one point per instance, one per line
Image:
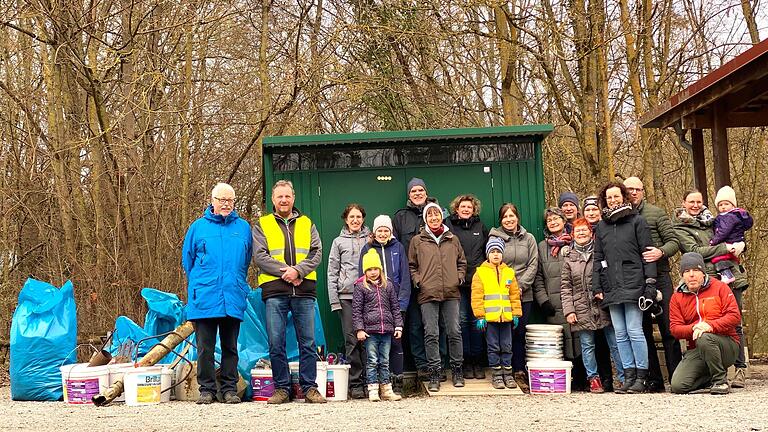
(215, 256)
(394, 258)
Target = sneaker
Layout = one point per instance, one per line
(231, 398)
(457, 375)
(497, 379)
(522, 381)
(314, 396)
(740, 378)
(280, 396)
(357, 393)
(720, 389)
(509, 378)
(595, 385)
(205, 399)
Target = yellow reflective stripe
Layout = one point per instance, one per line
(492, 309)
(496, 297)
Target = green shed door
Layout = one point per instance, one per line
(447, 182)
(379, 191)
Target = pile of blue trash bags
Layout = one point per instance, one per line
(44, 336)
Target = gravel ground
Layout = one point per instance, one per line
(739, 411)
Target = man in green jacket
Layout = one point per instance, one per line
(664, 247)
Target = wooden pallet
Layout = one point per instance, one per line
(472, 387)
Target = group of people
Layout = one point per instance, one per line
(439, 289)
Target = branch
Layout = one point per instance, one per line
(28, 33)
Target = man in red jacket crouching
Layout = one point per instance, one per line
(703, 311)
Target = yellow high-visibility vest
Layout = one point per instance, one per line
(276, 243)
(496, 301)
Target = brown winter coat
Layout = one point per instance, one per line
(576, 293)
(437, 270)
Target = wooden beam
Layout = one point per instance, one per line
(699, 164)
(749, 92)
(705, 120)
(720, 147)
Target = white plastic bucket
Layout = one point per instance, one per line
(322, 376)
(81, 383)
(549, 376)
(116, 372)
(262, 384)
(143, 385)
(167, 380)
(337, 382)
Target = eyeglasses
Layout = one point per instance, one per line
(225, 200)
(632, 190)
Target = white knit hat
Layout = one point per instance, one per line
(382, 221)
(427, 207)
(726, 193)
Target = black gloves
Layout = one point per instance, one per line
(548, 309)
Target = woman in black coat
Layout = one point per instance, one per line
(623, 281)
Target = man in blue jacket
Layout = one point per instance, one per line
(216, 254)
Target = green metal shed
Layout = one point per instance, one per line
(497, 164)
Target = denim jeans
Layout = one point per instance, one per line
(587, 339)
(447, 312)
(518, 339)
(303, 309)
(499, 338)
(627, 319)
(228, 329)
(377, 347)
(471, 337)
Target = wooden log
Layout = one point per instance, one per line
(150, 359)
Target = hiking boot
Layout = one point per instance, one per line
(357, 393)
(314, 396)
(739, 378)
(720, 389)
(639, 385)
(509, 378)
(595, 385)
(469, 370)
(457, 376)
(629, 380)
(231, 398)
(373, 393)
(280, 396)
(497, 378)
(205, 399)
(434, 380)
(522, 381)
(387, 394)
(479, 370)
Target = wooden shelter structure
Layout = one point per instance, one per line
(734, 95)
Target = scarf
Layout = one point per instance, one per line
(584, 250)
(613, 215)
(438, 231)
(704, 217)
(557, 242)
(511, 233)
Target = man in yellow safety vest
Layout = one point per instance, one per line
(287, 250)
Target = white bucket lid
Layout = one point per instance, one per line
(544, 327)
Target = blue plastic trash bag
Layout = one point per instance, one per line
(125, 338)
(43, 338)
(165, 313)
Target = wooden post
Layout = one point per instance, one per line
(699, 164)
(720, 147)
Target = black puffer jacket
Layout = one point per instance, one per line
(472, 235)
(375, 308)
(619, 270)
(406, 223)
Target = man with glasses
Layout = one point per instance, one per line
(664, 247)
(216, 254)
(287, 250)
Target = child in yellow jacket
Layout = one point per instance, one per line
(496, 304)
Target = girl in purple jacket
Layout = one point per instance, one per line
(376, 318)
(729, 226)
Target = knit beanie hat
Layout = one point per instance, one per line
(691, 260)
(568, 197)
(726, 193)
(494, 243)
(382, 221)
(553, 211)
(371, 260)
(415, 182)
(591, 200)
(429, 206)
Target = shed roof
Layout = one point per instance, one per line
(527, 133)
(739, 88)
